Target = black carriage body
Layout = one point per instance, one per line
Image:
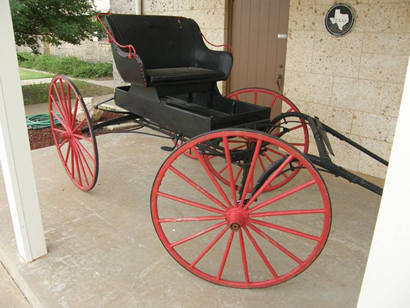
(173, 76)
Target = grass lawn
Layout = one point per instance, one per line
(38, 93)
(27, 74)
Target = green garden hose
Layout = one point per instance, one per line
(38, 121)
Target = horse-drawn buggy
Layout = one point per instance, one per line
(239, 201)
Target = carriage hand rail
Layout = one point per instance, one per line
(132, 53)
(227, 46)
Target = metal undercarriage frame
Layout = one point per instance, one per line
(318, 129)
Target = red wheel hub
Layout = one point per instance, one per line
(236, 217)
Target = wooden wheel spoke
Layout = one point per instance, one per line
(60, 131)
(209, 247)
(260, 253)
(77, 165)
(191, 219)
(238, 175)
(72, 163)
(243, 255)
(67, 153)
(211, 176)
(261, 164)
(222, 170)
(225, 255)
(276, 152)
(191, 203)
(195, 235)
(267, 157)
(239, 147)
(197, 187)
(255, 97)
(83, 138)
(80, 156)
(280, 196)
(83, 158)
(69, 101)
(251, 170)
(275, 243)
(297, 144)
(287, 212)
(63, 117)
(273, 102)
(67, 108)
(269, 180)
(62, 143)
(229, 167)
(80, 125)
(285, 229)
(84, 149)
(296, 127)
(63, 109)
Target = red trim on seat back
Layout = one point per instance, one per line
(132, 53)
(227, 46)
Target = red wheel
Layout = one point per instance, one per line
(73, 135)
(232, 237)
(295, 132)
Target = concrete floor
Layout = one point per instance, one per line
(10, 294)
(103, 250)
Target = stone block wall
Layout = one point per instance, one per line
(209, 14)
(88, 51)
(353, 83)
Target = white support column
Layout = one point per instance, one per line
(15, 155)
(386, 282)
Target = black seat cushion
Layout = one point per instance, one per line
(160, 76)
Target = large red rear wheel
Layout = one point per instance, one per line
(247, 237)
(294, 131)
(73, 134)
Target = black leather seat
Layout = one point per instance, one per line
(170, 50)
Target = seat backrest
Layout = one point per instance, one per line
(160, 41)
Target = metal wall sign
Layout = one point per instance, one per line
(339, 19)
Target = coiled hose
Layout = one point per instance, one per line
(38, 121)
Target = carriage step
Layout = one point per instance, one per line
(167, 149)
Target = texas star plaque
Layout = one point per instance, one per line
(339, 19)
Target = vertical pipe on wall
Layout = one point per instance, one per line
(138, 8)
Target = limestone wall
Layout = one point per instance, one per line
(209, 14)
(88, 51)
(354, 83)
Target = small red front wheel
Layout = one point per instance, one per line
(73, 134)
(244, 237)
